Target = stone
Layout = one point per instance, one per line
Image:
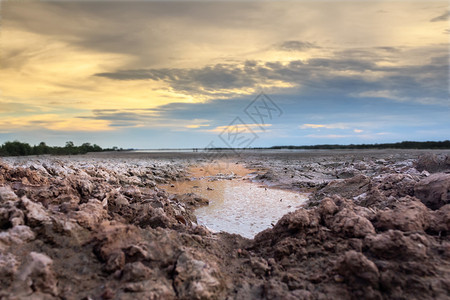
(7, 194)
(357, 269)
(36, 215)
(195, 279)
(393, 244)
(349, 223)
(409, 214)
(434, 191)
(136, 271)
(37, 273)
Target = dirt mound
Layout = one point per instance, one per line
(433, 163)
(83, 229)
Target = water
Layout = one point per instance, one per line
(190, 150)
(237, 205)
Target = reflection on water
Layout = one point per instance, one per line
(238, 205)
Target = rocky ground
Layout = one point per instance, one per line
(100, 227)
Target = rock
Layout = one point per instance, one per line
(346, 173)
(396, 185)
(10, 215)
(302, 295)
(393, 244)
(327, 208)
(17, 235)
(409, 214)
(259, 266)
(432, 163)
(296, 220)
(434, 191)
(267, 176)
(349, 223)
(112, 238)
(148, 289)
(154, 218)
(35, 213)
(195, 279)
(90, 214)
(115, 261)
(137, 271)
(192, 199)
(83, 186)
(274, 289)
(8, 267)
(440, 220)
(347, 188)
(37, 274)
(361, 274)
(358, 270)
(7, 194)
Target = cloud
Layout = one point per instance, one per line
(444, 17)
(144, 118)
(357, 130)
(361, 72)
(296, 46)
(255, 128)
(327, 126)
(54, 122)
(194, 126)
(326, 136)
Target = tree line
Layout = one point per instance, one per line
(17, 148)
(401, 145)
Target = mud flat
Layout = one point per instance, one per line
(103, 226)
(235, 204)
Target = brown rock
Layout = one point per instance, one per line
(192, 199)
(296, 220)
(434, 191)
(407, 215)
(37, 273)
(36, 214)
(90, 214)
(327, 208)
(440, 220)
(358, 270)
(10, 216)
(431, 163)
(115, 261)
(352, 225)
(7, 194)
(195, 279)
(259, 265)
(347, 188)
(8, 267)
(134, 272)
(393, 244)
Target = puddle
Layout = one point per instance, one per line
(237, 205)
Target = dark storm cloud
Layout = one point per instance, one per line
(443, 17)
(220, 76)
(121, 118)
(344, 72)
(296, 46)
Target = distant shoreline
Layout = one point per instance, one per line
(24, 149)
(440, 145)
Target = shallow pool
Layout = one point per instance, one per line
(238, 205)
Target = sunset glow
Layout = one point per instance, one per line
(174, 74)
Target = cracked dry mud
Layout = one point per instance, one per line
(101, 227)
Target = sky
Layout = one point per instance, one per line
(148, 74)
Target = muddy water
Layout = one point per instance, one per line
(237, 205)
